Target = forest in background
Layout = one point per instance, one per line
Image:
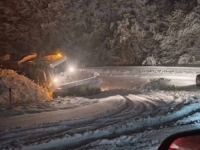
(102, 32)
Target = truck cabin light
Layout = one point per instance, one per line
(55, 80)
(59, 54)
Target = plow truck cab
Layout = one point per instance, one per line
(55, 73)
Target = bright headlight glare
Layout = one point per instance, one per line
(71, 69)
(55, 80)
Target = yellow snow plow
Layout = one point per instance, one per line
(55, 73)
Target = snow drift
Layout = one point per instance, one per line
(23, 89)
(156, 84)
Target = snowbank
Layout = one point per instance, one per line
(156, 84)
(186, 59)
(149, 61)
(23, 90)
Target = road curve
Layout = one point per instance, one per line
(55, 116)
(83, 126)
(129, 107)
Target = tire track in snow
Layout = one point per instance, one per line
(54, 128)
(132, 108)
(148, 140)
(128, 128)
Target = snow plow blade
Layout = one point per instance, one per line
(84, 87)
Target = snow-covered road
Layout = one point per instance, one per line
(122, 117)
(139, 113)
(103, 106)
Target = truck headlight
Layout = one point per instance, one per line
(71, 69)
(55, 80)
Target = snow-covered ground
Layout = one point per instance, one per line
(132, 112)
(60, 103)
(23, 90)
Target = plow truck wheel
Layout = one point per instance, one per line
(198, 80)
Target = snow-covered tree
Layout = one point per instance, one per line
(106, 32)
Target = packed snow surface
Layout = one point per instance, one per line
(131, 113)
(157, 84)
(123, 125)
(23, 90)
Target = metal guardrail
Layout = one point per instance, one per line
(143, 70)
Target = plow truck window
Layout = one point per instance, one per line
(60, 68)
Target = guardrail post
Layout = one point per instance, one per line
(10, 97)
